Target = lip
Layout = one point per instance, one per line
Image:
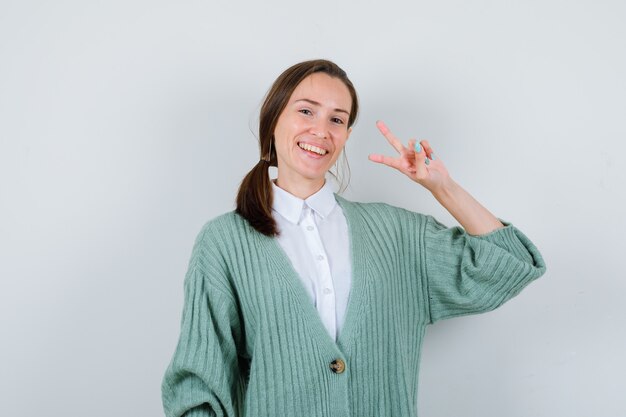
(310, 154)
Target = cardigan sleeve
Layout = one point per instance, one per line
(202, 379)
(469, 274)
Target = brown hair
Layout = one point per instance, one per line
(254, 199)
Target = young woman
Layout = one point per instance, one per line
(301, 303)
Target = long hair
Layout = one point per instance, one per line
(254, 199)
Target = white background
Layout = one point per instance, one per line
(125, 125)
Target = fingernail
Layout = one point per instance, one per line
(432, 156)
(418, 147)
(427, 161)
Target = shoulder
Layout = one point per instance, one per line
(212, 257)
(382, 221)
(222, 228)
(219, 237)
(381, 212)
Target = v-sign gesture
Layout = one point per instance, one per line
(417, 160)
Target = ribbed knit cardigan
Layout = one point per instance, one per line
(252, 343)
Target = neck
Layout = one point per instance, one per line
(301, 189)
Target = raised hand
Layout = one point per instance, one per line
(419, 163)
(417, 160)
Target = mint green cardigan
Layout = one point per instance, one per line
(252, 344)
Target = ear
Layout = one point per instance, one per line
(349, 132)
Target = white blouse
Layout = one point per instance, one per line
(314, 235)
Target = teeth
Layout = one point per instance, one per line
(312, 148)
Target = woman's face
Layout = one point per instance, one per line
(311, 132)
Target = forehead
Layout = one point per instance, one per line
(324, 89)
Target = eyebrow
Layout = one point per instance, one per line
(315, 103)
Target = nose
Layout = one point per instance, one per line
(319, 129)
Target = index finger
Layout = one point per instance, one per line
(391, 138)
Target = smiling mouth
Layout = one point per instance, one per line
(312, 148)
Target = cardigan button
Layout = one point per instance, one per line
(338, 366)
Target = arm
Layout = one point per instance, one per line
(418, 162)
(202, 378)
(468, 274)
(467, 271)
(475, 219)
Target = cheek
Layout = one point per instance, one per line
(341, 139)
(340, 131)
(288, 130)
(281, 134)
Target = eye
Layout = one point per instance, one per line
(306, 111)
(337, 120)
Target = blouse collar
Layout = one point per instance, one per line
(291, 207)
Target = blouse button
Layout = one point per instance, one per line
(338, 366)
(309, 228)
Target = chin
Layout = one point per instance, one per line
(315, 176)
(313, 173)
